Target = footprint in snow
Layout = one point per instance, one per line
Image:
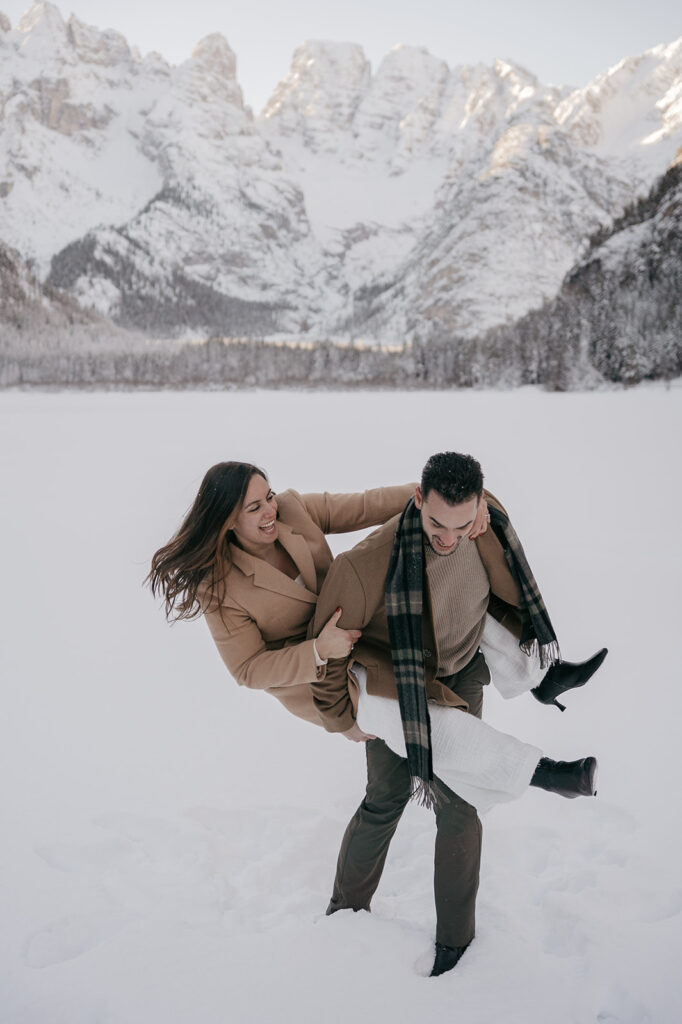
(564, 933)
(262, 865)
(65, 939)
(622, 1008)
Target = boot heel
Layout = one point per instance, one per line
(566, 676)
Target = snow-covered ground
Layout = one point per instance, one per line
(169, 839)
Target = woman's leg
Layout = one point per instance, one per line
(481, 764)
(512, 672)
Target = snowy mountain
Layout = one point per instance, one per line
(412, 201)
(158, 190)
(618, 311)
(626, 292)
(27, 304)
(46, 337)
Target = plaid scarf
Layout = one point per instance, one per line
(537, 634)
(404, 602)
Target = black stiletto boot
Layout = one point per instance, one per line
(567, 675)
(567, 778)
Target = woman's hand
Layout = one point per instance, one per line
(481, 521)
(334, 642)
(356, 735)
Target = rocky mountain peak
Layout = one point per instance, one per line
(413, 61)
(42, 17)
(215, 53)
(92, 46)
(515, 72)
(623, 110)
(48, 38)
(321, 92)
(209, 77)
(407, 77)
(321, 57)
(520, 83)
(397, 114)
(44, 32)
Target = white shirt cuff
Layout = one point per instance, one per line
(318, 660)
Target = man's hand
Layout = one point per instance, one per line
(334, 642)
(356, 734)
(481, 521)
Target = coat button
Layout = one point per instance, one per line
(427, 653)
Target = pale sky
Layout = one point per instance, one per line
(563, 43)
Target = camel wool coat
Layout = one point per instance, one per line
(356, 582)
(262, 628)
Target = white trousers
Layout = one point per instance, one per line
(511, 671)
(481, 764)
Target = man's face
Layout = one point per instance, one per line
(445, 524)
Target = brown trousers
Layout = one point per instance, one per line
(458, 831)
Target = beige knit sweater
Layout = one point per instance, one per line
(460, 590)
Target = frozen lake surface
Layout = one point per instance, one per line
(169, 839)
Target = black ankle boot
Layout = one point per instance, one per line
(567, 675)
(567, 778)
(446, 958)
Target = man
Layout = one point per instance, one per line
(419, 590)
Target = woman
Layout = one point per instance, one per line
(254, 563)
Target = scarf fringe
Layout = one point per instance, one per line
(427, 793)
(549, 654)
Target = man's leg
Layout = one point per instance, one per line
(370, 830)
(458, 840)
(456, 869)
(458, 836)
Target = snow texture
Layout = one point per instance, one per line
(169, 838)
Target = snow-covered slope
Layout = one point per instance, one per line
(32, 310)
(204, 215)
(633, 110)
(70, 153)
(43, 329)
(619, 309)
(627, 292)
(417, 199)
(503, 231)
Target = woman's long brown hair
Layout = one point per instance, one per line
(199, 551)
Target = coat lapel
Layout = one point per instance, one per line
(267, 577)
(297, 546)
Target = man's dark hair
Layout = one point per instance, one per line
(455, 477)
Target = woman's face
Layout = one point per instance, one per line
(256, 524)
